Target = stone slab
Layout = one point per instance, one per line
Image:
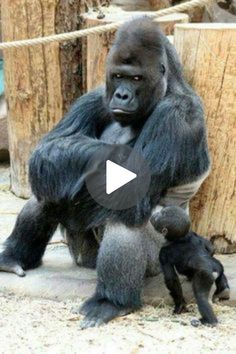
(59, 279)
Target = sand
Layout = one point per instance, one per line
(44, 326)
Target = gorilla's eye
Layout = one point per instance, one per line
(117, 76)
(163, 69)
(137, 78)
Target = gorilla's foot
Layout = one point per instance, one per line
(8, 264)
(221, 296)
(99, 311)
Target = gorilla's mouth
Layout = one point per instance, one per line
(118, 111)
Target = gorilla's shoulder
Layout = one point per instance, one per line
(93, 94)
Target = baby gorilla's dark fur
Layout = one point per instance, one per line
(190, 255)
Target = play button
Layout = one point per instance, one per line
(117, 177)
(112, 171)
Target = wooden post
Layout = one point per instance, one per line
(159, 4)
(208, 54)
(33, 77)
(97, 46)
(141, 5)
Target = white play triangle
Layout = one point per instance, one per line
(117, 176)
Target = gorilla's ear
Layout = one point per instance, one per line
(163, 69)
(164, 231)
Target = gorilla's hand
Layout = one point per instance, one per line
(8, 264)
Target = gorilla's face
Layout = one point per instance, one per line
(135, 81)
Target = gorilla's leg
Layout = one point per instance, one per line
(83, 247)
(121, 267)
(181, 195)
(222, 287)
(202, 283)
(25, 247)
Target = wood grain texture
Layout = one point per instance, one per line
(41, 81)
(32, 78)
(68, 19)
(208, 54)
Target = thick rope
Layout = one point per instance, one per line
(101, 29)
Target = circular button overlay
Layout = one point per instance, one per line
(117, 177)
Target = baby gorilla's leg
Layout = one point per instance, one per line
(222, 287)
(202, 283)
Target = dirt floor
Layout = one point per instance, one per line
(44, 326)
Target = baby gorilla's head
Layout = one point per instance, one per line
(172, 222)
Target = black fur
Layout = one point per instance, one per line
(146, 91)
(191, 255)
(174, 128)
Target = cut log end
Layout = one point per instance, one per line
(207, 52)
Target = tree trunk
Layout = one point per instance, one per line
(207, 52)
(41, 81)
(97, 46)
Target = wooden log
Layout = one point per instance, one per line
(96, 47)
(208, 54)
(33, 77)
(95, 3)
(197, 13)
(168, 22)
(141, 5)
(159, 4)
(68, 19)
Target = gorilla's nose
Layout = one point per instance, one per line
(123, 96)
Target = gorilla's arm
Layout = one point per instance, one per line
(173, 141)
(57, 164)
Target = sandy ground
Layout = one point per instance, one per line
(44, 326)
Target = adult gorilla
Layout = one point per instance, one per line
(148, 105)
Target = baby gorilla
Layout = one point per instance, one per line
(190, 255)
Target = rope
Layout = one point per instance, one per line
(101, 29)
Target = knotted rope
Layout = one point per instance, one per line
(101, 29)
